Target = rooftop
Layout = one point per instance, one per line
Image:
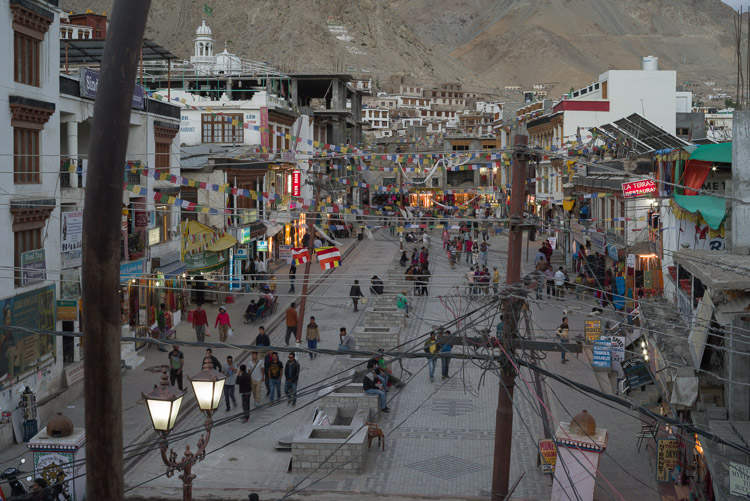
(719, 271)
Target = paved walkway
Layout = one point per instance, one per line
(440, 435)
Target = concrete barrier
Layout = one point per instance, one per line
(374, 337)
(347, 396)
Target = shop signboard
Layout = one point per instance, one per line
(67, 310)
(153, 236)
(296, 183)
(547, 455)
(592, 329)
(667, 453)
(739, 479)
(262, 245)
(631, 261)
(264, 136)
(602, 354)
(598, 243)
(618, 347)
(89, 85)
(285, 253)
(132, 269)
(242, 253)
(21, 350)
(244, 235)
(69, 285)
(33, 267)
(637, 188)
(636, 371)
(71, 239)
(699, 330)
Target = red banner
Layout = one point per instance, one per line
(296, 183)
(637, 188)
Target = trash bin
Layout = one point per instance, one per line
(30, 428)
(361, 235)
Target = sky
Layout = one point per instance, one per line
(736, 3)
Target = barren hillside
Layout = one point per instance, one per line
(487, 42)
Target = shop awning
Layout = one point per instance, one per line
(712, 209)
(202, 234)
(715, 153)
(172, 270)
(204, 262)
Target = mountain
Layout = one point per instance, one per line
(569, 42)
(561, 43)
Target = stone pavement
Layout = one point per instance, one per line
(439, 435)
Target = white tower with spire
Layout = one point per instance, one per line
(203, 59)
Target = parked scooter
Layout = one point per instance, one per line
(18, 489)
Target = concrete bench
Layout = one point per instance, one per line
(374, 337)
(347, 396)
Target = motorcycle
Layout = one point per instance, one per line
(18, 489)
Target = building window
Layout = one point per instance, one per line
(25, 241)
(220, 128)
(164, 133)
(162, 157)
(25, 59)
(26, 156)
(29, 28)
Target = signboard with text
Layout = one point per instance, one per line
(67, 310)
(547, 455)
(88, 86)
(667, 454)
(602, 354)
(618, 347)
(33, 267)
(739, 479)
(636, 372)
(285, 253)
(296, 183)
(71, 239)
(592, 329)
(638, 188)
(598, 242)
(262, 245)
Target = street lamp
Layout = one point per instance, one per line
(164, 406)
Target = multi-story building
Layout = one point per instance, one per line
(378, 118)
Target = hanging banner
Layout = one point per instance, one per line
(33, 267)
(296, 183)
(71, 239)
(637, 188)
(598, 243)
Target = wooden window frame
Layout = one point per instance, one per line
(27, 122)
(29, 29)
(215, 127)
(24, 241)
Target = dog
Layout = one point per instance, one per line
(374, 431)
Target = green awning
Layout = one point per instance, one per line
(205, 261)
(717, 153)
(712, 209)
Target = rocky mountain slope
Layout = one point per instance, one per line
(562, 43)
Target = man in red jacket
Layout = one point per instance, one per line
(200, 323)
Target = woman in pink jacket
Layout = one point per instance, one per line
(224, 324)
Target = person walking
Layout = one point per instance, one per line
(313, 337)
(222, 320)
(346, 341)
(452, 254)
(468, 246)
(425, 281)
(257, 375)
(291, 323)
(549, 277)
(560, 284)
(200, 323)
(459, 248)
(484, 251)
(562, 334)
(403, 303)
(176, 362)
(446, 238)
(425, 238)
(231, 373)
(291, 375)
(245, 386)
(372, 385)
(495, 279)
(161, 322)
(355, 292)
(212, 359)
(292, 276)
(262, 340)
(475, 254)
(446, 349)
(275, 370)
(431, 346)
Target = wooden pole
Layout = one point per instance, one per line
(311, 231)
(101, 250)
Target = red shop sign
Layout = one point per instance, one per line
(296, 182)
(637, 188)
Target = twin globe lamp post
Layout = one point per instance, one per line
(164, 406)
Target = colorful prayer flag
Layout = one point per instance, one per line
(300, 255)
(329, 257)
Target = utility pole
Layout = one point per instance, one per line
(504, 413)
(311, 231)
(101, 256)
